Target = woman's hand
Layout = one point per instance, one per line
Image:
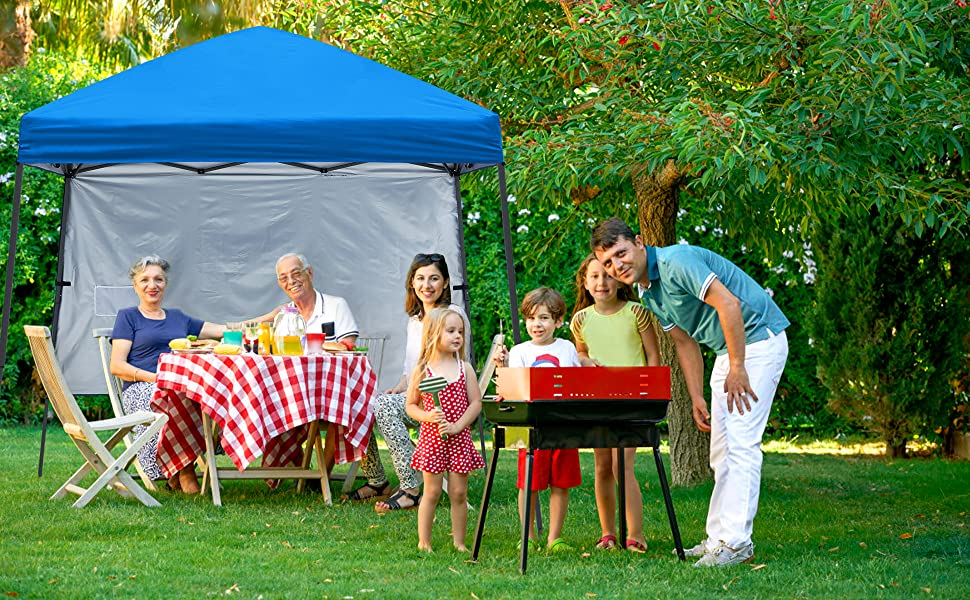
(399, 387)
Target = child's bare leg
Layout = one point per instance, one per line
(605, 487)
(458, 494)
(558, 503)
(532, 512)
(432, 492)
(634, 498)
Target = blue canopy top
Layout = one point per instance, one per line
(260, 95)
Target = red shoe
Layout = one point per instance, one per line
(634, 546)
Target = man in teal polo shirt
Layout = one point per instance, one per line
(699, 296)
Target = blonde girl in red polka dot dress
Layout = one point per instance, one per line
(444, 440)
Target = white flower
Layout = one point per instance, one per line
(522, 229)
(524, 212)
(788, 254)
(770, 292)
(681, 212)
(40, 211)
(626, 205)
(717, 232)
(683, 242)
(811, 342)
(474, 217)
(553, 217)
(5, 178)
(511, 199)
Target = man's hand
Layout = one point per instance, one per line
(701, 416)
(739, 390)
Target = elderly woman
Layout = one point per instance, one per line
(141, 334)
(426, 286)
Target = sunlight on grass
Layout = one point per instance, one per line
(842, 447)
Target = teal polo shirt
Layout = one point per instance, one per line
(679, 278)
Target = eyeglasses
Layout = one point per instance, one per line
(436, 258)
(294, 275)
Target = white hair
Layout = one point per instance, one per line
(304, 263)
(148, 261)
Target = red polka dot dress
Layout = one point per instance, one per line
(457, 454)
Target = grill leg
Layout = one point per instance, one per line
(524, 555)
(674, 529)
(498, 441)
(621, 494)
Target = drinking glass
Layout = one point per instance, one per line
(251, 335)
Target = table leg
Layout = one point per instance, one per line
(674, 529)
(313, 432)
(325, 464)
(621, 494)
(212, 471)
(498, 441)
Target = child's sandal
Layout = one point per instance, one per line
(634, 546)
(607, 542)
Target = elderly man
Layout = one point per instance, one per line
(699, 296)
(295, 277)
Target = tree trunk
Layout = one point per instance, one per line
(15, 43)
(658, 200)
(895, 450)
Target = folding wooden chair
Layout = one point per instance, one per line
(103, 337)
(375, 355)
(97, 454)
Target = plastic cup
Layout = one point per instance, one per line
(232, 337)
(314, 343)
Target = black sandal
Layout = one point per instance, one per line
(379, 493)
(394, 502)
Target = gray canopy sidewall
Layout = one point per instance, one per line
(223, 232)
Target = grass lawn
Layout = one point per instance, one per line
(830, 525)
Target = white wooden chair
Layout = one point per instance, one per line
(375, 355)
(103, 336)
(97, 454)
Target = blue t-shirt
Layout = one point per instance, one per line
(150, 337)
(679, 278)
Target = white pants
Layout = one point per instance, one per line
(736, 442)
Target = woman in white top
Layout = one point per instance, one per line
(427, 286)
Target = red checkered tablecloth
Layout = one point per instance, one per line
(261, 403)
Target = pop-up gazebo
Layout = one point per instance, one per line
(227, 154)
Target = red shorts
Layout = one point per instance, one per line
(556, 468)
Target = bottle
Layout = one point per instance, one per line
(289, 332)
(265, 339)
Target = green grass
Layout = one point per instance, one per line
(829, 526)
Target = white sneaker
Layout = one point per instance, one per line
(725, 556)
(698, 550)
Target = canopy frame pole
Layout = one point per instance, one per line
(456, 177)
(59, 285)
(509, 258)
(11, 266)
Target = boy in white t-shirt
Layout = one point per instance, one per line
(543, 309)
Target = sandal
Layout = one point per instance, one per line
(607, 542)
(394, 502)
(634, 546)
(377, 493)
(559, 545)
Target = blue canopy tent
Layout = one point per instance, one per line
(226, 154)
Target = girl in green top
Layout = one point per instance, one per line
(610, 328)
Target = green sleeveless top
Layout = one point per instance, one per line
(613, 340)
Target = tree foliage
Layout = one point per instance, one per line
(891, 327)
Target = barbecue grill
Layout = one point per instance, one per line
(578, 407)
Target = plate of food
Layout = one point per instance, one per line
(192, 345)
